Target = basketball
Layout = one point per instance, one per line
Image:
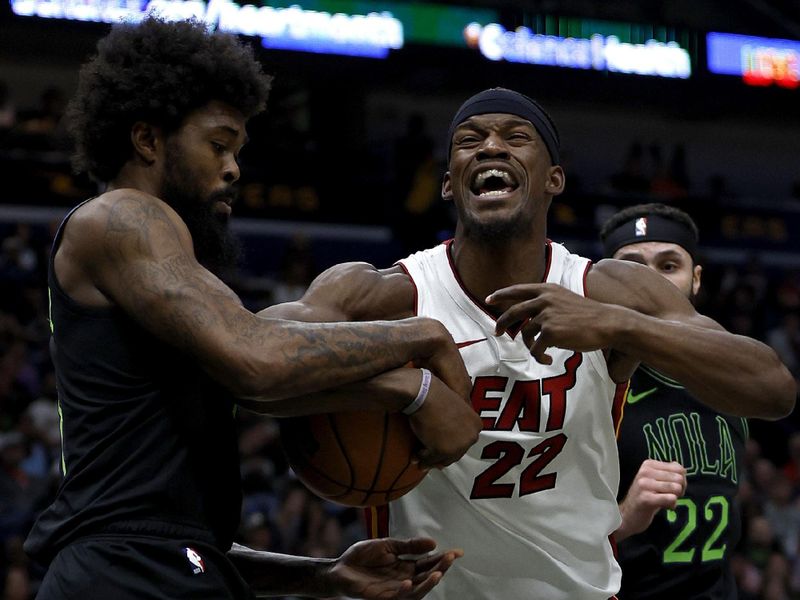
(355, 458)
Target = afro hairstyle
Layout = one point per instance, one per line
(156, 71)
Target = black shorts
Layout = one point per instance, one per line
(136, 567)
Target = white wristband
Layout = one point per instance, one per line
(424, 388)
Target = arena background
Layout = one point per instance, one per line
(346, 165)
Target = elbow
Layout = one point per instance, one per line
(789, 396)
(781, 395)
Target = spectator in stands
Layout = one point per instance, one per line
(785, 339)
(632, 178)
(8, 114)
(783, 515)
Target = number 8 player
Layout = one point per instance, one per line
(549, 342)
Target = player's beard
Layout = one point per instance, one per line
(214, 246)
(495, 231)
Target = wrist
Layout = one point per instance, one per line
(422, 394)
(622, 531)
(624, 326)
(430, 335)
(327, 579)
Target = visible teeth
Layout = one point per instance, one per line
(492, 193)
(481, 178)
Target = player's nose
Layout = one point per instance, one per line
(493, 146)
(231, 172)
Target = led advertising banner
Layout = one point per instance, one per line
(347, 27)
(582, 44)
(758, 61)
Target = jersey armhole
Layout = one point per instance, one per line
(413, 283)
(596, 357)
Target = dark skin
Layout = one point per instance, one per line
(368, 569)
(128, 248)
(630, 311)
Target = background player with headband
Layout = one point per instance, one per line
(675, 540)
(533, 503)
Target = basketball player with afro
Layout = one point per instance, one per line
(549, 341)
(673, 543)
(151, 348)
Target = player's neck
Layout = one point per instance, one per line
(485, 269)
(137, 177)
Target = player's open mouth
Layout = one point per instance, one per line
(492, 183)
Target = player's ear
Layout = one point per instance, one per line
(696, 276)
(146, 140)
(447, 187)
(555, 180)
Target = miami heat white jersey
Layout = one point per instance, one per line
(533, 502)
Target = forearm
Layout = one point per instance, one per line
(390, 392)
(731, 373)
(270, 574)
(289, 358)
(625, 529)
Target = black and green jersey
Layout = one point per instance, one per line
(685, 553)
(148, 440)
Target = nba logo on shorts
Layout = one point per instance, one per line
(641, 226)
(198, 566)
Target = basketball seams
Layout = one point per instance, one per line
(392, 489)
(353, 460)
(381, 454)
(337, 436)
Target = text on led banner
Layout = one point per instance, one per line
(758, 61)
(598, 52)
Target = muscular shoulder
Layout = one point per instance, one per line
(109, 234)
(361, 292)
(120, 216)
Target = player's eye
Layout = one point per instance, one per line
(218, 148)
(466, 139)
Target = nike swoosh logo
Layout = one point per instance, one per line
(634, 398)
(469, 343)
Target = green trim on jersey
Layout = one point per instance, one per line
(61, 431)
(660, 377)
(50, 311)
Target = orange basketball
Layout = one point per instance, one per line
(355, 458)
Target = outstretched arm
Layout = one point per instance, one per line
(371, 569)
(636, 311)
(137, 253)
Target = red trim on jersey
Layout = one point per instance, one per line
(549, 259)
(479, 303)
(414, 283)
(377, 521)
(618, 407)
(585, 273)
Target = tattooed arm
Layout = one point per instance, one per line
(130, 249)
